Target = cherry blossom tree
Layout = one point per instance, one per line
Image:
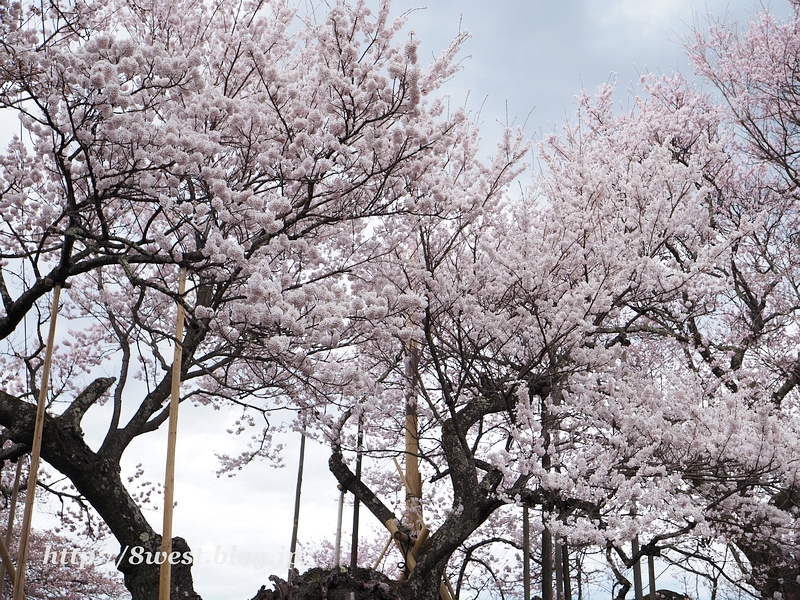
(616, 351)
(756, 72)
(731, 465)
(62, 565)
(253, 147)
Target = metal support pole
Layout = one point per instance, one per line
(559, 568)
(565, 569)
(651, 568)
(547, 565)
(337, 552)
(526, 554)
(356, 503)
(637, 569)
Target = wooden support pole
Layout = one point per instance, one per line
(8, 564)
(298, 489)
(444, 593)
(410, 546)
(412, 478)
(397, 536)
(450, 590)
(385, 549)
(410, 555)
(402, 476)
(421, 537)
(172, 438)
(444, 589)
(36, 448)
(12, 511)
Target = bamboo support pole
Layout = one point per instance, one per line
(172, 438)
(450, 589)
(36, 448)
(12, 511)
(8, 564)
(412, 478)
(421, 537)
(380, 558)
(402, 475)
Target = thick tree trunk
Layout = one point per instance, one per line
(142, 579)
(97, 478)
(334, 583)
(436, 551)
(427, 587)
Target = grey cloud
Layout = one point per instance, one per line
(539, 53)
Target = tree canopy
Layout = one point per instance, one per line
(614, 349)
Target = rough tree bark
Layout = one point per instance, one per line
(96, 476)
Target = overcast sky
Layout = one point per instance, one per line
(531, 55)
(535, 55)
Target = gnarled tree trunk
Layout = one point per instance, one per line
(96, 476)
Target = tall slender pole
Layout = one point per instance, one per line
(637, 569)
(7, 563)
(337, 552)
(651, 568)
(36, 448)
(526, 554)
(298, 489)
(547, 537)
(412, 476)
(547, 565)
(172, 438)
(12, 510)
(356, 503)
(382, 554)
(559, 568)
(565, 570)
